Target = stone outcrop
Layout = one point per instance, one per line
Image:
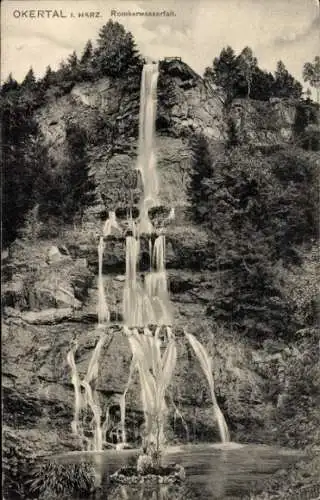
(263, 123)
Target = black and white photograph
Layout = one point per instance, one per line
(160, 249)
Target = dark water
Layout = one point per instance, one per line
(213, 471)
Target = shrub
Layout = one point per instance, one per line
(56, 480)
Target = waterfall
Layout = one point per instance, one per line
(146, 303)
(87, 400)
(103, 310)
(146, 163)
(131, 286)
(206, 365)
(156, 284)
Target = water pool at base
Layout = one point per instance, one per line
(214, 471)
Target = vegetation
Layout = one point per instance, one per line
(31, 178)
(311, 74)
(241, 76)
(25, 158)
(61, 481)
(259, 209)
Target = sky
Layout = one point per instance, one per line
(275, 29)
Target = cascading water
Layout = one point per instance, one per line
(146, 304)
(147, 159)
(156, 284)
(87, 400)
(103, 310)
(206, 365)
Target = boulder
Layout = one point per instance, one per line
(57, 254)
(49, 293)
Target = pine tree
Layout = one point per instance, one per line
(202, 169)
(225, 72)
(285, 84)
(73, 65)
(29, 81)
(262, 85)
(80, 188)
(257, 210)
(116, 51)
(87, 62)
(87, 53)
(20, 160)
(9, 85)
(49, 78)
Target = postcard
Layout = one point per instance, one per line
(160, 249)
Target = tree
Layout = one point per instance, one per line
(10, 84)
(49, 78)
(87, 53)
(262, 85)
(79, 187)
(225, 72)
(240, 75)
(202, 168)
(116, 51)
(86, 62)
(258, 209)
(311, 74)
(247, 63)
(23, 164)
(29, 81)
(285, 84)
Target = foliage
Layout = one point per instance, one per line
(241, 76)
(24, 158)
(144, 464)
(116, 52)
(67, 192)
(33, 226)
(202, 169)
(262, 85)
(49, 78)
(80, 186)
(298, 416)
(258, 209)
(225, 72)
(311, 74)
(284, 84)
(299, 480)
(31, 177)
(85, 66)
(247, 64)
(30, 80)
(54, 480)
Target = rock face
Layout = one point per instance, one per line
(108, 109)
(50, 292)
(263, 123)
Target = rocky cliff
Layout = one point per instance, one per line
(49, 297)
